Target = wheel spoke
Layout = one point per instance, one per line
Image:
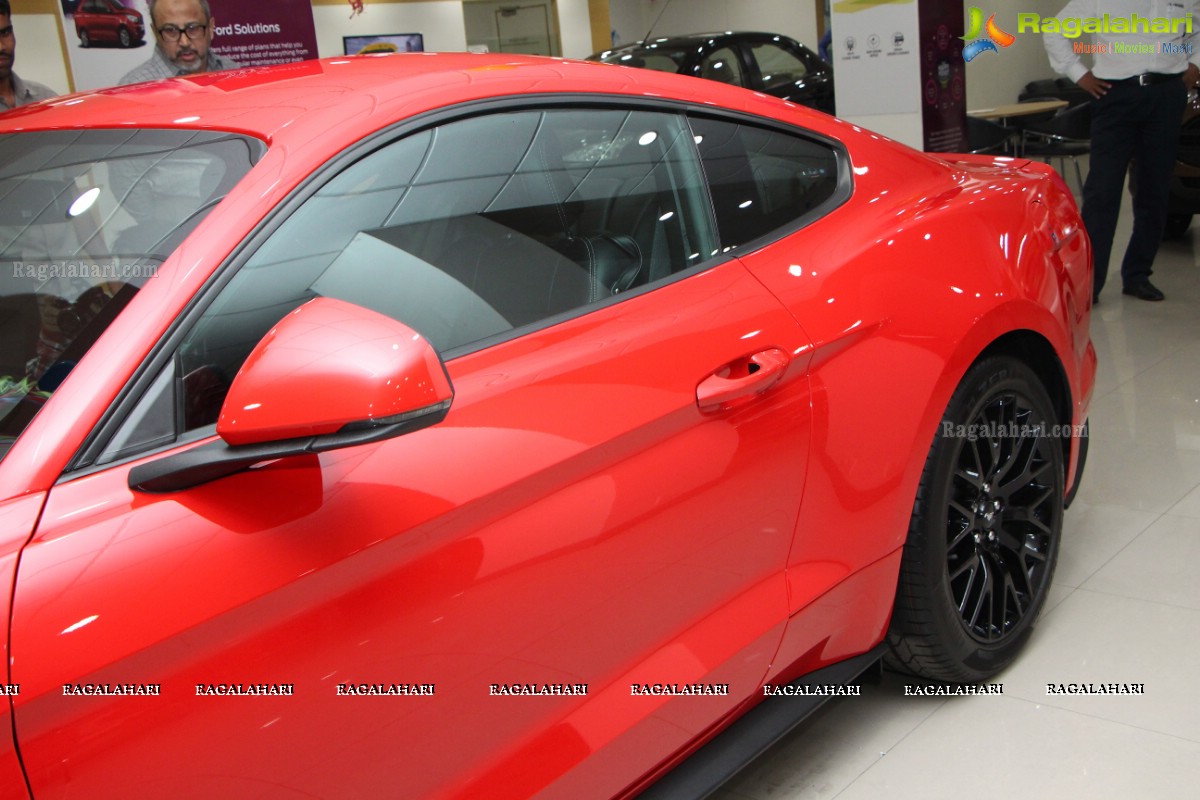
(1022, 515)
(962, 510)
(1010, 541)
(971, 563)
(1030, 473)
(1030, 552)
(1041, 494)
(972, 479)
(959, 538)
(984, 595)
(1011, 591)
(995, 453)
(971, 473)
(1013, 422)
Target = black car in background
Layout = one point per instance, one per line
(1184, 201)
(764, 62)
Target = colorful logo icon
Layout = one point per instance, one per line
(995, 36)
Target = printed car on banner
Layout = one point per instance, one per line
(108, 22)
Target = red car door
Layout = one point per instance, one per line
(576, 573)
(18, 516)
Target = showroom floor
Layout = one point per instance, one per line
(1125, 608)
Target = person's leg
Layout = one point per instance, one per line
(1156, 143)
(1113, 133)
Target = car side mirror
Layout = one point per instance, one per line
(330, 374)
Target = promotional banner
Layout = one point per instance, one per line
(875, 62)
(263, 33)
(898, 68)
(105, 39)
(943, 76)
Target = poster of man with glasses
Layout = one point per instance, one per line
(129, 41)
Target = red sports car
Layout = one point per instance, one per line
(460, 426)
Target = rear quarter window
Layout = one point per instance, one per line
(763, 180)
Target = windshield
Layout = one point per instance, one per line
(86, 218)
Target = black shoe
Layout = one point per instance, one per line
(1144, 291)
(1095, 299)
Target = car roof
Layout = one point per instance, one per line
(297, 102)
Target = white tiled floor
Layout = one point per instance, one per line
(1125, 608)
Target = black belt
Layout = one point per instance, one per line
(1146, 79)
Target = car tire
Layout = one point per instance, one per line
(124, 37)
(984, 535)
(1177, 225)
(84, 39)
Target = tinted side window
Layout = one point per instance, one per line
(723, 65)
(762, 179)
(469, 230)
(777, 65)
(653, 57)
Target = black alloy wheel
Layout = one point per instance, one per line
(985, 530)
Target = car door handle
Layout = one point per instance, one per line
(741, 379)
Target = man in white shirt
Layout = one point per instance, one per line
(1139, 80)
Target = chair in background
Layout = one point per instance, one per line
(986, 136)
(1057, 88)
(1022, 121)
(1067, 135)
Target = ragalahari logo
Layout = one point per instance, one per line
(995, 36)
